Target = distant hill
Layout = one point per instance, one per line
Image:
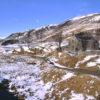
(84, 29)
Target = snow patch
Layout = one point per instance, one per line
(96, 18)
(68, 76)
(91, 64)
(26, 79)
(77, 18)
(98, 61)
(76, 96)
(87, 58)
(26, 48)
(80, 17)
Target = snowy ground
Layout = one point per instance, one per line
(26, 79)
(90, 60)
(33, 81)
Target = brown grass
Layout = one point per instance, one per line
(53, 75)
(79, 84)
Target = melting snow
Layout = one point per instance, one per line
(9, 48)
(96, 18)
(26, 48)
(91, 64)
(76, 96)
(77, 18)
(98, 61)
(26, 79)
(87, 58)
(68, 76)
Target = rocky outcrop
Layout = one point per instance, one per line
(87, 41)
(12, 41)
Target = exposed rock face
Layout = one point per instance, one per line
(84, 31)
(87, 41)
(7, 42)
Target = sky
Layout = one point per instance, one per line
(23, 15)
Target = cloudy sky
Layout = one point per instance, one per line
(22, 15)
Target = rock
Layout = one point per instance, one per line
(4, 93)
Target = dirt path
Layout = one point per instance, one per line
(81, 71)
(76, 70)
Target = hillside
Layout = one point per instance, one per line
(55, 62)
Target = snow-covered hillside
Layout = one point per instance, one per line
(55, 62)
(33, 78)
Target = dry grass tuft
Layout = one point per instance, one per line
(79, 84)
